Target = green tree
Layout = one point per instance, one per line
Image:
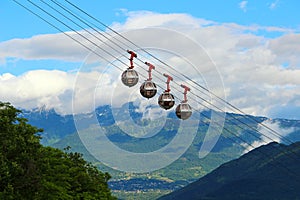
(29, 170)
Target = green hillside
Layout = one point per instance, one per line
(268, 172)
(188, 167)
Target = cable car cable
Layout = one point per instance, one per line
(69, 27)
(90, 40)
(78, 41)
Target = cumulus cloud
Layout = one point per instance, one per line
(36, 88)
(259, 73)
(286, 50)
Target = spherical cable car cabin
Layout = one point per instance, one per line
(130, 77)
(148, 89)
(166, 100)
(184, 110)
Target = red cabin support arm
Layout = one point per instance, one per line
(186, 89)
(132, 55)
(150, 69)
(168, 82)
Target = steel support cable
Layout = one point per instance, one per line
(78, 33)
(229, 131)
(125, 64)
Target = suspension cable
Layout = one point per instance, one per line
(80, 35)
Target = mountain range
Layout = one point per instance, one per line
(239, 133)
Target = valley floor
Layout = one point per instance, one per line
(140, 195)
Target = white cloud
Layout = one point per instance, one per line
(278, 135)
(252, 67)
(243, 5)
(55, 89)
(36, 88)
(143, 19)
(47, 46)
(6, 76)
(286, 49)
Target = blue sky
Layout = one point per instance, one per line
(254, 44)
(17, 22)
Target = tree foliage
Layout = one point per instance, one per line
(29, 170)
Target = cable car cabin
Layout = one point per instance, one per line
(130, 77)
(183, 111)
(148, 89)
(166, 100)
